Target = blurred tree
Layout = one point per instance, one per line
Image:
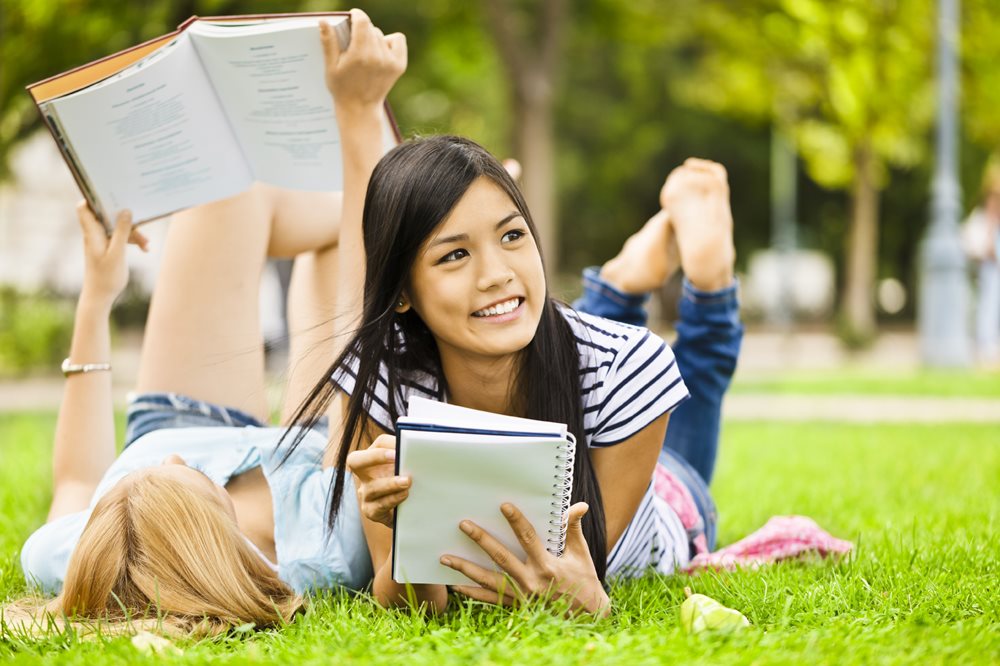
(849, 80)
(529, 37)
(981, 75)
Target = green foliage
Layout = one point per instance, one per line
(981, 77)
(35, 331)
(841, 76)
(919, 502)
(643, 84)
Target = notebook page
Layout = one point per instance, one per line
(459, 476)
(422, 410)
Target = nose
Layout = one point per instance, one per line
(494, 271)
(174, 459)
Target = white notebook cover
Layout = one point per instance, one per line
(468, 475)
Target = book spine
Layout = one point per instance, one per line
(55, 127)
(562, 492)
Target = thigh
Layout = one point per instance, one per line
(202, 336)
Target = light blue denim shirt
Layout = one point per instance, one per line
(307, 559)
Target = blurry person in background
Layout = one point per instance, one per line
(981, 242)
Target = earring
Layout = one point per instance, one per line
(400, 303)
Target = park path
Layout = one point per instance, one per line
(763, 354)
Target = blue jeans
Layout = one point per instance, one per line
(709, 334)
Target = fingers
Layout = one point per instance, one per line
(574, 529)
(396, 43)
(361, 30)
(123, 229)
(495, 582)
(331, 46)
(390, 486)
(707, 166)
(362, 462)
(496, 551)
(524, 531)
(138, 239)
(93, 230)
(484, 595)
(382, 510)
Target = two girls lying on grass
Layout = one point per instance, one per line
(424, 278)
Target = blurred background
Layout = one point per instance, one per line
(822, 111)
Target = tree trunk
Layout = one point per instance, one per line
(857, 306)
(530, 45)
(534, 145)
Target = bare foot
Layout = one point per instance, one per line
(646, 260)
(696, 197)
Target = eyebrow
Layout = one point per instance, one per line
(465, 237)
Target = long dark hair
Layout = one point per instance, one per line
(412, 190)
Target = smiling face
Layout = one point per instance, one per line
(477, 282)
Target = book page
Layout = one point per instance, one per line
(459, 476)
(270, 80)
(423, 410)
(153, 138)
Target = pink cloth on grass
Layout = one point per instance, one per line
(781, 538)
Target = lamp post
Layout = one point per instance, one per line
(783, 214)
(944, 295)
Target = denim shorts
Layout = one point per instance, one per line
(154, 411)
(692, 480)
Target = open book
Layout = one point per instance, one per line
(200, 114)
(464, 464)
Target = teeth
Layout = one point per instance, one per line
(502, 308)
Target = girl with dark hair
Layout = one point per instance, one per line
(443, 285)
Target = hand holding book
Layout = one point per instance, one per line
(379, 490)
(362, 75)
(541, 574)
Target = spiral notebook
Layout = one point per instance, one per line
(464, 464)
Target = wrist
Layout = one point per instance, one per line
(96, 301)
(354, 111)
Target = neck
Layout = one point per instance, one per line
(481, 383)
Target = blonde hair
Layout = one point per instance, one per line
(156, 553)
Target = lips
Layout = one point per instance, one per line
(501, 308)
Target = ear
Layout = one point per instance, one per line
(402, 304)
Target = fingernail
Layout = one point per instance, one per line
(404, 482)
(390, 454)
(507, 510)
(446, 561)
(465, 526)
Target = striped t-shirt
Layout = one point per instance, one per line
(628, 379)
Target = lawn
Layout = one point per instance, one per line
(921, 503)
(859, 381)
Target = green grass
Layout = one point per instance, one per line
(920, 502)
(937, 383)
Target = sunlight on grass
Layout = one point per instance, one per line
(968, 384)
(920, 502)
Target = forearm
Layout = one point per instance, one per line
(390, 594)
(84, 445)
(361, 145)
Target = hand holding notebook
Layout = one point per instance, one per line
(463, 465)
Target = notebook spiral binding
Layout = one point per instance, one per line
(562, 496)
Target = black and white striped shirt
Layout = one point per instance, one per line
(628, 378)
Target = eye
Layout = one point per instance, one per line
(513, 235)
(454, 255)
